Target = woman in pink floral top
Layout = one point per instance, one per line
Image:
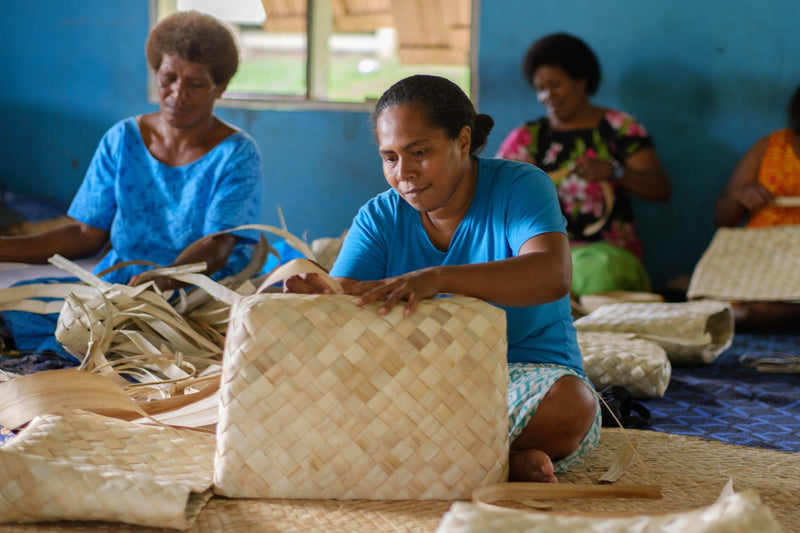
(581, 146)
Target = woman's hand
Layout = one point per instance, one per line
(593, 169)
(643, 174)
(411, 288)
(306, 284)
(752, 196)
(162, 282)
(743, 193)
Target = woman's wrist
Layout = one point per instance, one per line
(617, 170)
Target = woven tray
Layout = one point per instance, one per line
(690, 471)
(749, 264)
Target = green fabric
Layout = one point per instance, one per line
(600, 266)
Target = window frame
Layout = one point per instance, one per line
(315, 76)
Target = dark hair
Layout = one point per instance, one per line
(794, 111)
(194, 37)
(445, 106)
(567, 52)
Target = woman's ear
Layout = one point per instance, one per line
(221, 89)
(464, 139)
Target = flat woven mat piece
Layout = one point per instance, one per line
(748, 264)
(690, 471)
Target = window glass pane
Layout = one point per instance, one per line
(272, 52)
(361, 73)
(352, 49)
(270, 63)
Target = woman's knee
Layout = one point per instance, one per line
(573, 401)
(561, 420)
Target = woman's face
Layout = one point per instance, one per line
(186, 92)
(421, 163)
(562, 96)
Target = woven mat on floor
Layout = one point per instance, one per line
(690, 471)
(749, 264)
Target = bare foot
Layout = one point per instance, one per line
(531, 465)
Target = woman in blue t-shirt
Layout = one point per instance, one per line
(454, 223)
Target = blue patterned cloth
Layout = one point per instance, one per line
(31, 334)
(528, 383)
(732, 402)
(5, 435)
(18, 363)
(154, 211)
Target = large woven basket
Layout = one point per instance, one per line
(690, 332)
(748, 264)
(324, 399)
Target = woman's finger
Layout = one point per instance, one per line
(411, 305)
(318, 284)
(300, 284)
(370, 293)
(400, 293)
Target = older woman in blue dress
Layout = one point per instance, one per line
(161, 181)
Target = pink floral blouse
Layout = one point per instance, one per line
(616, 137)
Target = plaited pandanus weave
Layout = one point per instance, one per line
(690, 332)
(749, 264)
(324, 399)
(690, 471)
(83, 466)
(639, 365)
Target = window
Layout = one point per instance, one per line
(338, 53)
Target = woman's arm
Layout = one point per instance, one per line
(73, 241)
(743, 194)
(541, 273)
(643, 174)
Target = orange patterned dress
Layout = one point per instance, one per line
(780, 174)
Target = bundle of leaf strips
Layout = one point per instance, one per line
(155, 344)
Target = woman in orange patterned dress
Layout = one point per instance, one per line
(770, 170)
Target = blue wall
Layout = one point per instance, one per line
(706, 78)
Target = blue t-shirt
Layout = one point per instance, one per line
(513, 202)
(154, 211)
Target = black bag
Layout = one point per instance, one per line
(617, 406)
